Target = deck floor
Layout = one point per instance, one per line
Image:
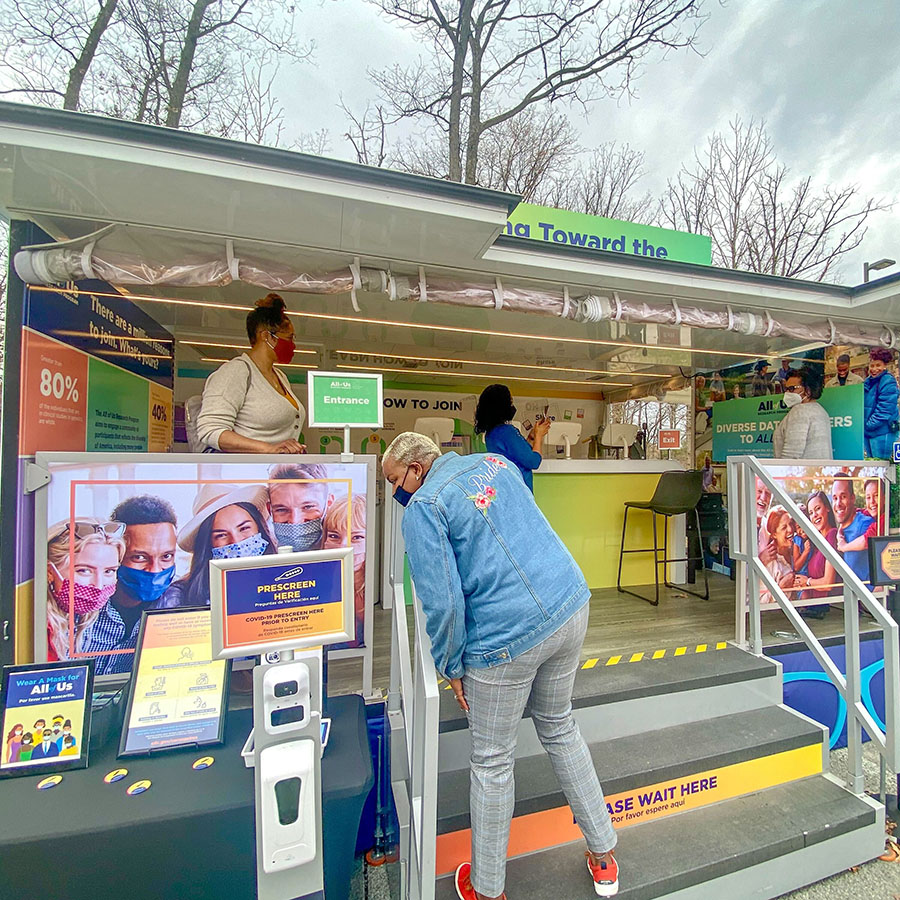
(619, 624)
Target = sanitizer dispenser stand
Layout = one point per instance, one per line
(287, 748)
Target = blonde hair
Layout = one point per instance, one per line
(411, 447)
(58, 555)
(336, 517)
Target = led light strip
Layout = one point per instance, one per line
(480, 376)
(280, 365)
(484, 362)
(361, 320)
(230, 346)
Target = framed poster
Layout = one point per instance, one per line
(884, 560)
(117, 535)
(178, 692)
(338, 399)
(285, 602)
(46, 717)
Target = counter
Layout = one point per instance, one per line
(584, 500)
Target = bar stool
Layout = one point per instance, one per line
(677, 494)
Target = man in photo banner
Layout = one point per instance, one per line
(852, 524)
(506, 608)
(298, 509)
(144, 582)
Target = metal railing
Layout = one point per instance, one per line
(743, 547)
(414, 714)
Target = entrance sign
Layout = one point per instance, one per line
(45, 717)
(178, 692)
(282, 602)
(743, 427)
(337, 400)
(561, 226)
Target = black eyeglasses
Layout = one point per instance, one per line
(86, 529)
(794, 389)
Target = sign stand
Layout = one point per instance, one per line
(277, 606)
(338, 400)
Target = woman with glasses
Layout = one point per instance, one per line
(805, 432)
(248, 404)
(79, 585)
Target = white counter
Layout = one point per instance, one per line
(608, 466)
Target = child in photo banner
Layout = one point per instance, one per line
(80, 585)
(336, 536)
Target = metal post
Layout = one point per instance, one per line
(855, 778)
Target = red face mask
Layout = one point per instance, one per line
(283, 349)
(87, 598)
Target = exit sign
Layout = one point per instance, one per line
(669, 439)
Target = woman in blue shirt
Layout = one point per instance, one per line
(493, 414)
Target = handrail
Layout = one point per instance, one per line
(743, 543)
(414, 694)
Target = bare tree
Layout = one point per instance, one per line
(49, 49)
(757, 218)
(495, 58)
(253, 113)
(603, 184)
(367, 134)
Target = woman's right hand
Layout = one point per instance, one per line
(541, 428)
(288, 447)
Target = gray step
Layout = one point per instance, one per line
(620, 700)
(668, 755)
(752, 848)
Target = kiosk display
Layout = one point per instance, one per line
(117, 536)
(178, 692)
(46, 718)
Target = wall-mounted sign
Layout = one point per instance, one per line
(337, 400)
(281, 602)
(884, 560)
(669, 439)
(743, 427)
(560, 226)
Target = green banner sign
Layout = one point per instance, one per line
(337, 400)
(743, 427)
(560, 226)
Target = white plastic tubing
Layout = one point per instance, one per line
(56, 265)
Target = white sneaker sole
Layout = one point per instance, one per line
(603, 890)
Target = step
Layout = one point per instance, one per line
(651, 775)
(618, 700)
(754, 847)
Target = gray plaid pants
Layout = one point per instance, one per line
(545, 676)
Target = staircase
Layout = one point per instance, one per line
(717, 790)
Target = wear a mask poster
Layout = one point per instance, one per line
(116, 536)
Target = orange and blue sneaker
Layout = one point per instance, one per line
(605, 875)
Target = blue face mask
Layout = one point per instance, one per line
(147, 587)
(255, 545)
(401, 494)
(300, 535)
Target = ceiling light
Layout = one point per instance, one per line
(480, 376)
(231, 346)
(280, 365)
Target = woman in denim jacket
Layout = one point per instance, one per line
(506, 608)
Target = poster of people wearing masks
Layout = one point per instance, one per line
(121, 536)
(846, 506)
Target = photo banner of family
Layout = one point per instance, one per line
(845, 504)
(128, 536)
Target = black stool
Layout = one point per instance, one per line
(677, 494)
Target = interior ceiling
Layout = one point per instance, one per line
(424, 343)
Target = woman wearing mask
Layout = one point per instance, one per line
(81, 584)
(14, 743)
(493, 415)
(229, 522)
(336, 526)
(805, 432)
(248, 404)
(880, 397)
(820, 573)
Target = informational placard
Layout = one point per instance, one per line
(178, 692)
(884, 560)
(46, 718)
(743, 427)
(337, 400)
(289, 601)
(669, 439)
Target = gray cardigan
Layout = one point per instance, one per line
(237, 397)
(804, 433)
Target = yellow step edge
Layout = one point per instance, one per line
(636, 657)
(613, 660)
(659, 654)
(701, 648)
(680, 651)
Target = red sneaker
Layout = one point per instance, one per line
(463, 882)
(605, 875)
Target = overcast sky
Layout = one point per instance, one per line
(824, 74)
